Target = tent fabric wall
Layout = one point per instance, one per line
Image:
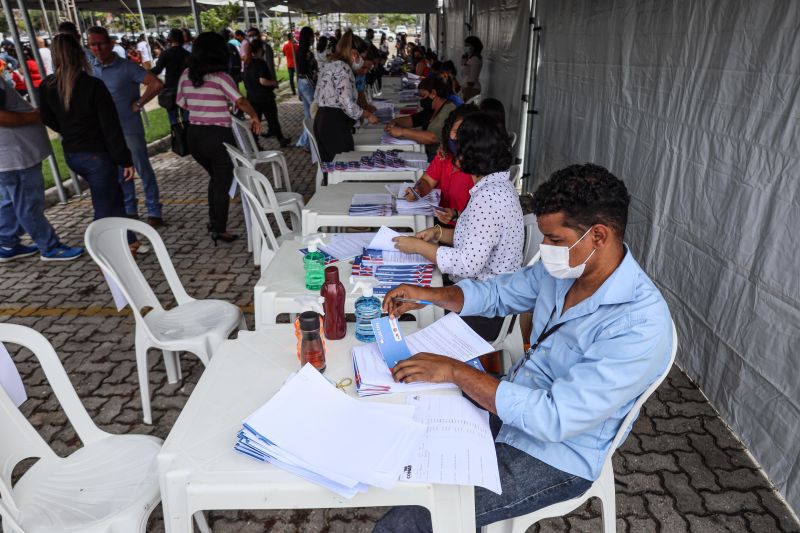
(697, 106)
(502, 26)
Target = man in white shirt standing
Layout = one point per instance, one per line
(47, 57)
(144, 52)
(118, 49)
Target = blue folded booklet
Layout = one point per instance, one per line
(390, 340)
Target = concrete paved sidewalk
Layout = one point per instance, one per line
(681, 469)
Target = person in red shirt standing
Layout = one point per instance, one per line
(442, 173)
(289, 49)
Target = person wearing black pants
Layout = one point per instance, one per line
(336, 95)
(260, 82)
(205, 145)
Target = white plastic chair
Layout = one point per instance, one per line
(271, 202)
(474, 100)
(603, 487)
(514, 174)
(513, 138)
(267, 243)
(109, 485)
(308, 126)
(196, 326)
(247, 144)
(511, 341)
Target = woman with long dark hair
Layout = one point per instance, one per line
(306, 66)
(205, 89)
(80, 108)
(488, 236)
(260, 82)
(337, 97)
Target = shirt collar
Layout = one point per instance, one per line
(114, 60)
(497, 177)
(619, 288)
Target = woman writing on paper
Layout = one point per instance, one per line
(488, 237)
(442, 172)
(436, 107)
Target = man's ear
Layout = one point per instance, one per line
(602, 236)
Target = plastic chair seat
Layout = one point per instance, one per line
(107, 481)
(194, 319)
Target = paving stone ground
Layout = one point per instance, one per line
(681, 469)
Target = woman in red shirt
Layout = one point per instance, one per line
(442, 173)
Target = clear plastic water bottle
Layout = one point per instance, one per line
(368, 307)
(314, 264)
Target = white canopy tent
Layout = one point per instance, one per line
(697, 107)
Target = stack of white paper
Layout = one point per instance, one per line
(458, 448)
(424, 206)
(347, 245)
(387, 138)
(449, 336)
(371, 205)
(307, 428)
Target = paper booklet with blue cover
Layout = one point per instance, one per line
(449, 336)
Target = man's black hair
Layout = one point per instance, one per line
(587, 195)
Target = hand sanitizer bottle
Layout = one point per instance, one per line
(314, 263)
(368, 307)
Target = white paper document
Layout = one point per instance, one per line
(307, 428)
(10, 379)
(347, 245)
(383, 239)
(116, 293)
(371, 199)
(449, 336)
(458, 448)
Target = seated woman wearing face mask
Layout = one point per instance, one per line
(336, 96)
(436, 107)
(442, 173)
(488, 237)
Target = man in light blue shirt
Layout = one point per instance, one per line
(124, 80)
(602, 333)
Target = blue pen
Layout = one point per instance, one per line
(413, 301)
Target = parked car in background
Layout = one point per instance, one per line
(401, 29)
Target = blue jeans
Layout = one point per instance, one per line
(22, 205)
(172, 115)
(141, 161)
(528, 485)
(306, 90)
(100, 171)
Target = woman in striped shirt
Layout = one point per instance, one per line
(206, 91)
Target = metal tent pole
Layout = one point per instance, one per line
(29, 82)
(46, 21)
(196, 17)
(246, 14)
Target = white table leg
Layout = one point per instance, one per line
(177, 518)
(453, 509)
(265, 307)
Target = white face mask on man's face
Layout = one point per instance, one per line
(556, 260)
(357, 64)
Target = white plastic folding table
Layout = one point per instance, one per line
(284, 280)
(199, 470)
(340, 176)
(329, 207)
(369, 140)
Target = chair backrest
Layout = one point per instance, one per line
(308, 125)
(514, 174)
(474, 100)
(261, 187)
(634, 412)
(244, 137)
(258, 212)
(238, 158)
(19, 438)
(107, 242)
(513, 137)
(530, 249)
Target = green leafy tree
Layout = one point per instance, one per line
(358, 20)
(211, 21)
(3, 23)
(230, 13)
(277, 33)
(394, 19)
